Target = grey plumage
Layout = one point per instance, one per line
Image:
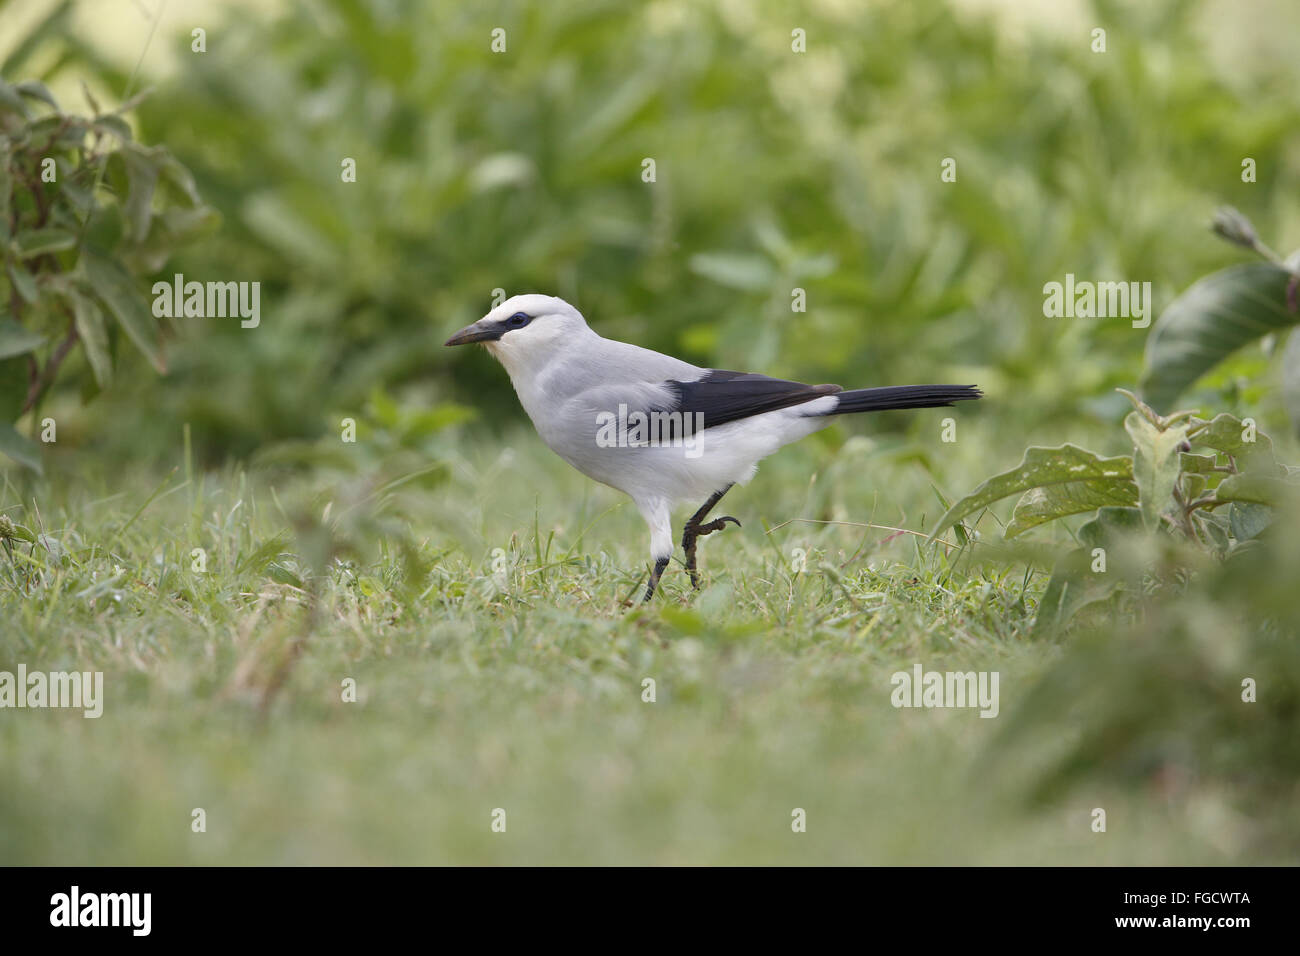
(720, 424)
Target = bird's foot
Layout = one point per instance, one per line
(717, 524)
(699, 531)
(655, 575)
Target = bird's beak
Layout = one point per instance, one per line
(478, 332)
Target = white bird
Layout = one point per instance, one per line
(656, 428)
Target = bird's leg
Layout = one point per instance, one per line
(695, 530)
(655, 575)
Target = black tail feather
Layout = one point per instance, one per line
(902, 396)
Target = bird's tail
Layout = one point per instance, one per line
(902, 396)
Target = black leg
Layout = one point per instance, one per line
(695, 530)
(655, 575)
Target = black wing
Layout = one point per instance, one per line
(722, 396)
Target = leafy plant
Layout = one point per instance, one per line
(1217, 499)
(1214, 485)
(1169, 695)
(477, 171)
(84, 211)
(1223, 312)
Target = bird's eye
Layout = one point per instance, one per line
(519, 320)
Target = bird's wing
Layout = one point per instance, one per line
(685, 405)
(722, 396)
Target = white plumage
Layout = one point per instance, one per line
(571, 382)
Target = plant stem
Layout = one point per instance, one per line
(39, 384)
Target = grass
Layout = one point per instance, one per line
(513, 678)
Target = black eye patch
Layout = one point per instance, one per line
(518, 320)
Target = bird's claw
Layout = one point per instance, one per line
(717, 524)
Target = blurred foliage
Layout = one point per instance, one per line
(1220, 502)
(1223, 312)
(775, 170)
(84, 211)
(1201, 689)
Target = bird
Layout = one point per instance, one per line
(657, 428)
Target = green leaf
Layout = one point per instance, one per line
(50, 132)
(16, 340)
(37, 242)
(1215, 527)
(168, 230)
(92, 330)
(282, 575)
(1073, 480)
(1211, 320)
(23, 281)
(22, 450)
(1072, 587)
(1257, 489)
(1040, 505)
(114, 126)
(749, 273)
(178, 175)
(1248, 521)
(1198, 464)
(1110, 525)
(142, 169)
(22, 533)
(37, 91)
(117, 290)
(1155, 464)
(1230, 435)
(11, 102)
(79, 198)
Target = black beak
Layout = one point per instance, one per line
(474, 333)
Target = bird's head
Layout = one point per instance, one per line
(524, 327)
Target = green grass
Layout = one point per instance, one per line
(523, 690)
(474, 586)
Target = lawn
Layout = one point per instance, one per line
(513, 679)
(348, 608)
